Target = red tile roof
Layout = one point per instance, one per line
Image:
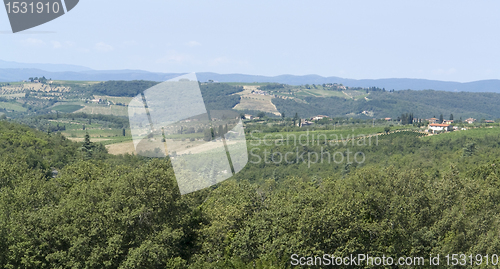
(439, 125)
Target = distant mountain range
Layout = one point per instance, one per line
(46, 67)
(13, 71)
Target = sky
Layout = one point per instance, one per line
(439, 40)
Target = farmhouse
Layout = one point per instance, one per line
(305, 122)
(470, 120)
(439, 127)
(433, 120)
(319, 117)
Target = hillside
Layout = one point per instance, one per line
(335, 100)
(424, 104)
(10, 72)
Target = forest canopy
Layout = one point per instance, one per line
(60, 208)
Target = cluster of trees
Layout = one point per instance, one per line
(217, 96)
(118, 87)
(329, 106)
(46, 122)
(428, 103)
(406, 118)
(212, 133)
(39, 79)
(272, 87)
(220, 96)
(375, 89)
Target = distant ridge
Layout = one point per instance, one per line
(73, 72)
(46, 67)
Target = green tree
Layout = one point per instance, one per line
(207, 134)
(295, 119)
(469, 149)
(87, 147)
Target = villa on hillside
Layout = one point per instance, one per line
(319, 117)
(448, 121)
(433, 120)
(305, 122)
(470, 120)
(433, 127)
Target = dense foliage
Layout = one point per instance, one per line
(217, 96)
(412, 197)
(121, 88)
(220, 96)
(424, 104)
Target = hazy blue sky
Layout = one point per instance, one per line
(445, 40)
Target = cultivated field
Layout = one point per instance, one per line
(34, 87)
(105, 110)
(255, 101)
(179, 147)
(12, 106)
(67, 108)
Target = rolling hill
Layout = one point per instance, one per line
(12, 71)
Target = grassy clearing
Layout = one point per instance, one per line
(74, 130)
(324, 93)
(105, 137)
(13, 83)
(123, 100)
(121, 148)
(361, 96)
(13, 106)
(67, 108)
(180, 147)
(14, 95)
(257, 103)
(472, 133)
(105, 110)
(353, 94)
(310, 135)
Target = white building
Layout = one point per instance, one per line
(439, 127)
